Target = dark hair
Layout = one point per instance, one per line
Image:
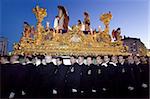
(56, 16)
(118, 28)
(60, 31)
(85, 13)
(26, 23)
(79, 21)
(81, 56)
(137, 56)
(51, 29)
(5, 57)
(98, 56)
(29, 58)
(40, 57)
(63, 10)
(73, 56)
(60, 58)
(89, 57)
(21, 57)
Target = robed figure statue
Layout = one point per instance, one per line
(63, 18)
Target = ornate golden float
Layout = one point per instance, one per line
(74, 42)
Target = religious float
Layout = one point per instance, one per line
(74, 42)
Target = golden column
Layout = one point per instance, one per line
(106, 18)
(40, 13)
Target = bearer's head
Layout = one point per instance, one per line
(121, 59)
(114, 59)
(48, 59)
(14, 58)
(80, 59)
(3, 59)
(89, 60)
(99, 60)
(106, 58)
(136, 59)
(72, 60)
(130, 59)
(59, 61)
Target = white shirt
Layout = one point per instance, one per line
(56, 23)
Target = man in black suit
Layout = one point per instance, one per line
(137, 75)
(43, 78)
(49, 74)
(60, 78)
(14, 77)
(113, 76)
(99, 75)
(32, 66)
(122, 77)
(131, 77)
(82, 76)
(145, 77)
(4, 76)
(105, 80)
(73, 78)
(91, 78)
(45, 72)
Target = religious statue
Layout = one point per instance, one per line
(86, 21)
(63, 18)
(79, 25)
(48, 41)
(116, 34)
(27, 30)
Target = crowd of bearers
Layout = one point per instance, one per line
(92, 77)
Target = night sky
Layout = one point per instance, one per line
(130, 15)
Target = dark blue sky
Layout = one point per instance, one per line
(130, 15)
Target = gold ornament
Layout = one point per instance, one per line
(74, 42)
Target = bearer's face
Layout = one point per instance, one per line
(143, 59)
(2, 60)
(48, 58)
(121, 59)
(43, 61)
(99, 60)
(72, 60)
(13, 58)
(80, 59)
(89, 60)
(58, 62)
(130, 59)
(136, 59)
(113, 59)
(106, 58)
